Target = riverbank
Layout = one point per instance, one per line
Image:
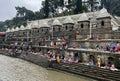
(15, 69)
(74, 68)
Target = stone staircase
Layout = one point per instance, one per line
(92, 72)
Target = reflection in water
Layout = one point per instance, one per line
(14, 69)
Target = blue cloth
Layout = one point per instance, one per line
(113, 46)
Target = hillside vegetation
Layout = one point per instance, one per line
(56, 8)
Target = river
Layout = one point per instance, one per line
(14, 69)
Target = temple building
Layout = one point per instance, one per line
(75, 33)
(92, 25)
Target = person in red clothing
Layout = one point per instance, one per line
(117, 47)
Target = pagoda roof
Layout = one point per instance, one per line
(83, 17)
(68, 20)
(56, 22)
(103, 13)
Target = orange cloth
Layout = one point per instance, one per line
(58, 59)
(52, 44)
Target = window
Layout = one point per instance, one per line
(38, 31)
(58, 28)
(23, 33)
(72, 27)
(82, 25)
(102, 23)
(53, 29)
(42, 29)
(66, 27)
(47, 30)
(30, 32)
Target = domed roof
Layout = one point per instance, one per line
(8, 30)
(56, 22)
(68, 20)
(12, 30)
(83, 17)
(16, 29)
(44, 24)
(22, 27)
(103, 13)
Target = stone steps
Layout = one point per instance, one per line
(86, 70)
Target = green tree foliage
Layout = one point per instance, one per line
(52, 6)
(112, 6)
(69, 1)
(46, 8)
(78, 8)
(25, 13)
(22, 16)
(20, 11)
(91, 2)
(61, 3)
(2, 24)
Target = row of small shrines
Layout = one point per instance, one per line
(71, 31)
(84, 28)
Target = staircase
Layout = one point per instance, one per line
(85, 70)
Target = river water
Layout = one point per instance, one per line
(14, 69)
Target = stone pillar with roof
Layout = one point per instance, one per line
(104, 24)
(44, 28)
(16, 31)
(57, 28)
(68, 25)
(84, 25)
(34, 31)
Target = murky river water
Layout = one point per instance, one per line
(14, 69)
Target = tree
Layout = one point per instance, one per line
(25, 13)
(91, 3)
(112, 6)
(69, 1)
(29, 15)
(20, 11)
(46, 8)
(78, 8)
(2, 26)
(61, 3)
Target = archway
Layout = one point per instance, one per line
(92, 59)
(110, 61)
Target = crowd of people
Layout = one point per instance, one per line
(111, 47)
(58, 56)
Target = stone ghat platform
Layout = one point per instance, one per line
(75, 68)
(87, 71)
(37, 59)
